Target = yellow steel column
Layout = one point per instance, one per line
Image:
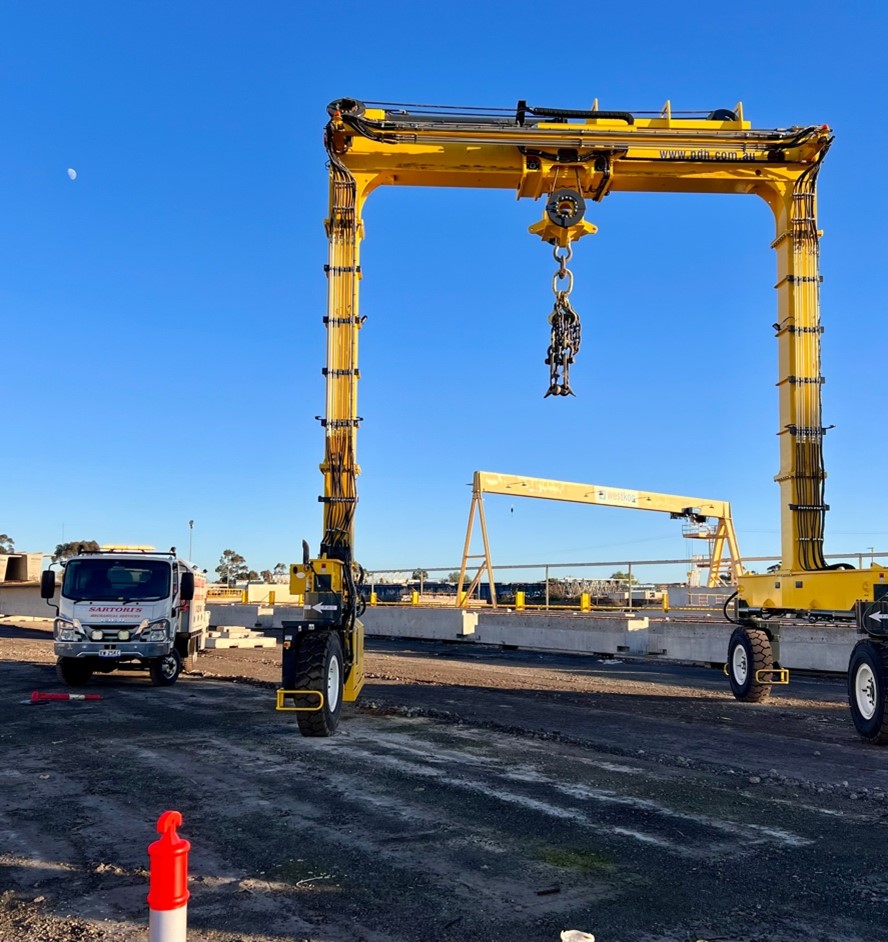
(487, 560)
(343, 321)
(798, 328)
(461, 596)
(724, 535)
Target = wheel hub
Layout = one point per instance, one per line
(740, 665)
(333, 684)
(865, 691)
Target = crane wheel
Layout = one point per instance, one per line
(749, 651)
(319, 667)
(868, 690)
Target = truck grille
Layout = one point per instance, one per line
(111, 632)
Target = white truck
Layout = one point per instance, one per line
(127, 607)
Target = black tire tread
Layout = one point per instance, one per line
(156, 673)
(312, 676)
(880, 736)
(73, 674)
(762, 659)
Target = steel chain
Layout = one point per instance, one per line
(564, 342)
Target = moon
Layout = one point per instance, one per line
(72, 173)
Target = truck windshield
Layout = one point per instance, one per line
(116, 580)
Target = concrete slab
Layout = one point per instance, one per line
(259, 641)
(232, 631)
(414, 622)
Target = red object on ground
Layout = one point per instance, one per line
(37, 696)
(168, 886)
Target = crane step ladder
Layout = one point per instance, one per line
(767, 675)
(283, 694)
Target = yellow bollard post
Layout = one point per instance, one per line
(245, 596)
(585, 602)
(414, 597)
(372, 598)
(462, 598)
(665, 601)
(271, 597)
(519, 601)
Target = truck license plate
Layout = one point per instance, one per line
(109, 653)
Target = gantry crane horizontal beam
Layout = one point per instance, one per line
(695, 509)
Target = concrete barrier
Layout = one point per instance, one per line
(433, 624)
(574, 633)
(20, 567)
(696, 640)
(24, 599)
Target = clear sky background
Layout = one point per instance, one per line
(162, 341)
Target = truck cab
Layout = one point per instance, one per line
(127, 609)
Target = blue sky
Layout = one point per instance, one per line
(161, 313)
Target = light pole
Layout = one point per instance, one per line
(190, 535)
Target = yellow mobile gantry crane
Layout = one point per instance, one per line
(695, 511)
(566, 158)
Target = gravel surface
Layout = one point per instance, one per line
(471, 795)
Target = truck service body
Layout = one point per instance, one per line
(126, 608)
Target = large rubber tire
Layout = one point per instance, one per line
(749, 651)
(165, 670)
(74, 671)
(319, 667)
(868, 690)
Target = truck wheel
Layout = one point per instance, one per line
(165, 670)
(188, 653)
(74, 671)
(319, 667)
(868, 690)
(749, 651)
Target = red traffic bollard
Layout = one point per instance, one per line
(38, 697)
(168, 886)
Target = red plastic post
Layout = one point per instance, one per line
(168, 883)
(37, 696)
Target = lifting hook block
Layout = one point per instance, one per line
(562, 221)
(554, 234)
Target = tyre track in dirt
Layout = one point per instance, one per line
(441, 810)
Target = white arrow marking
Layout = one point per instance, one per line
(322, 608)
(878, 616)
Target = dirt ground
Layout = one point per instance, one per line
(470, 795)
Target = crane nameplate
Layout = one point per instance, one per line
(612, 495)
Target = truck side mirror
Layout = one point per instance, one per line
(187, 587)
(47, 584)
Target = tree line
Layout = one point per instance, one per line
(63, 551)
(233, 568)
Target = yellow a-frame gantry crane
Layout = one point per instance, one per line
(695, 510)
(568, 158)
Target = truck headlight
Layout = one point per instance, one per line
(157, 630)
(96, 635)
(65, 630)
(123, 635)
